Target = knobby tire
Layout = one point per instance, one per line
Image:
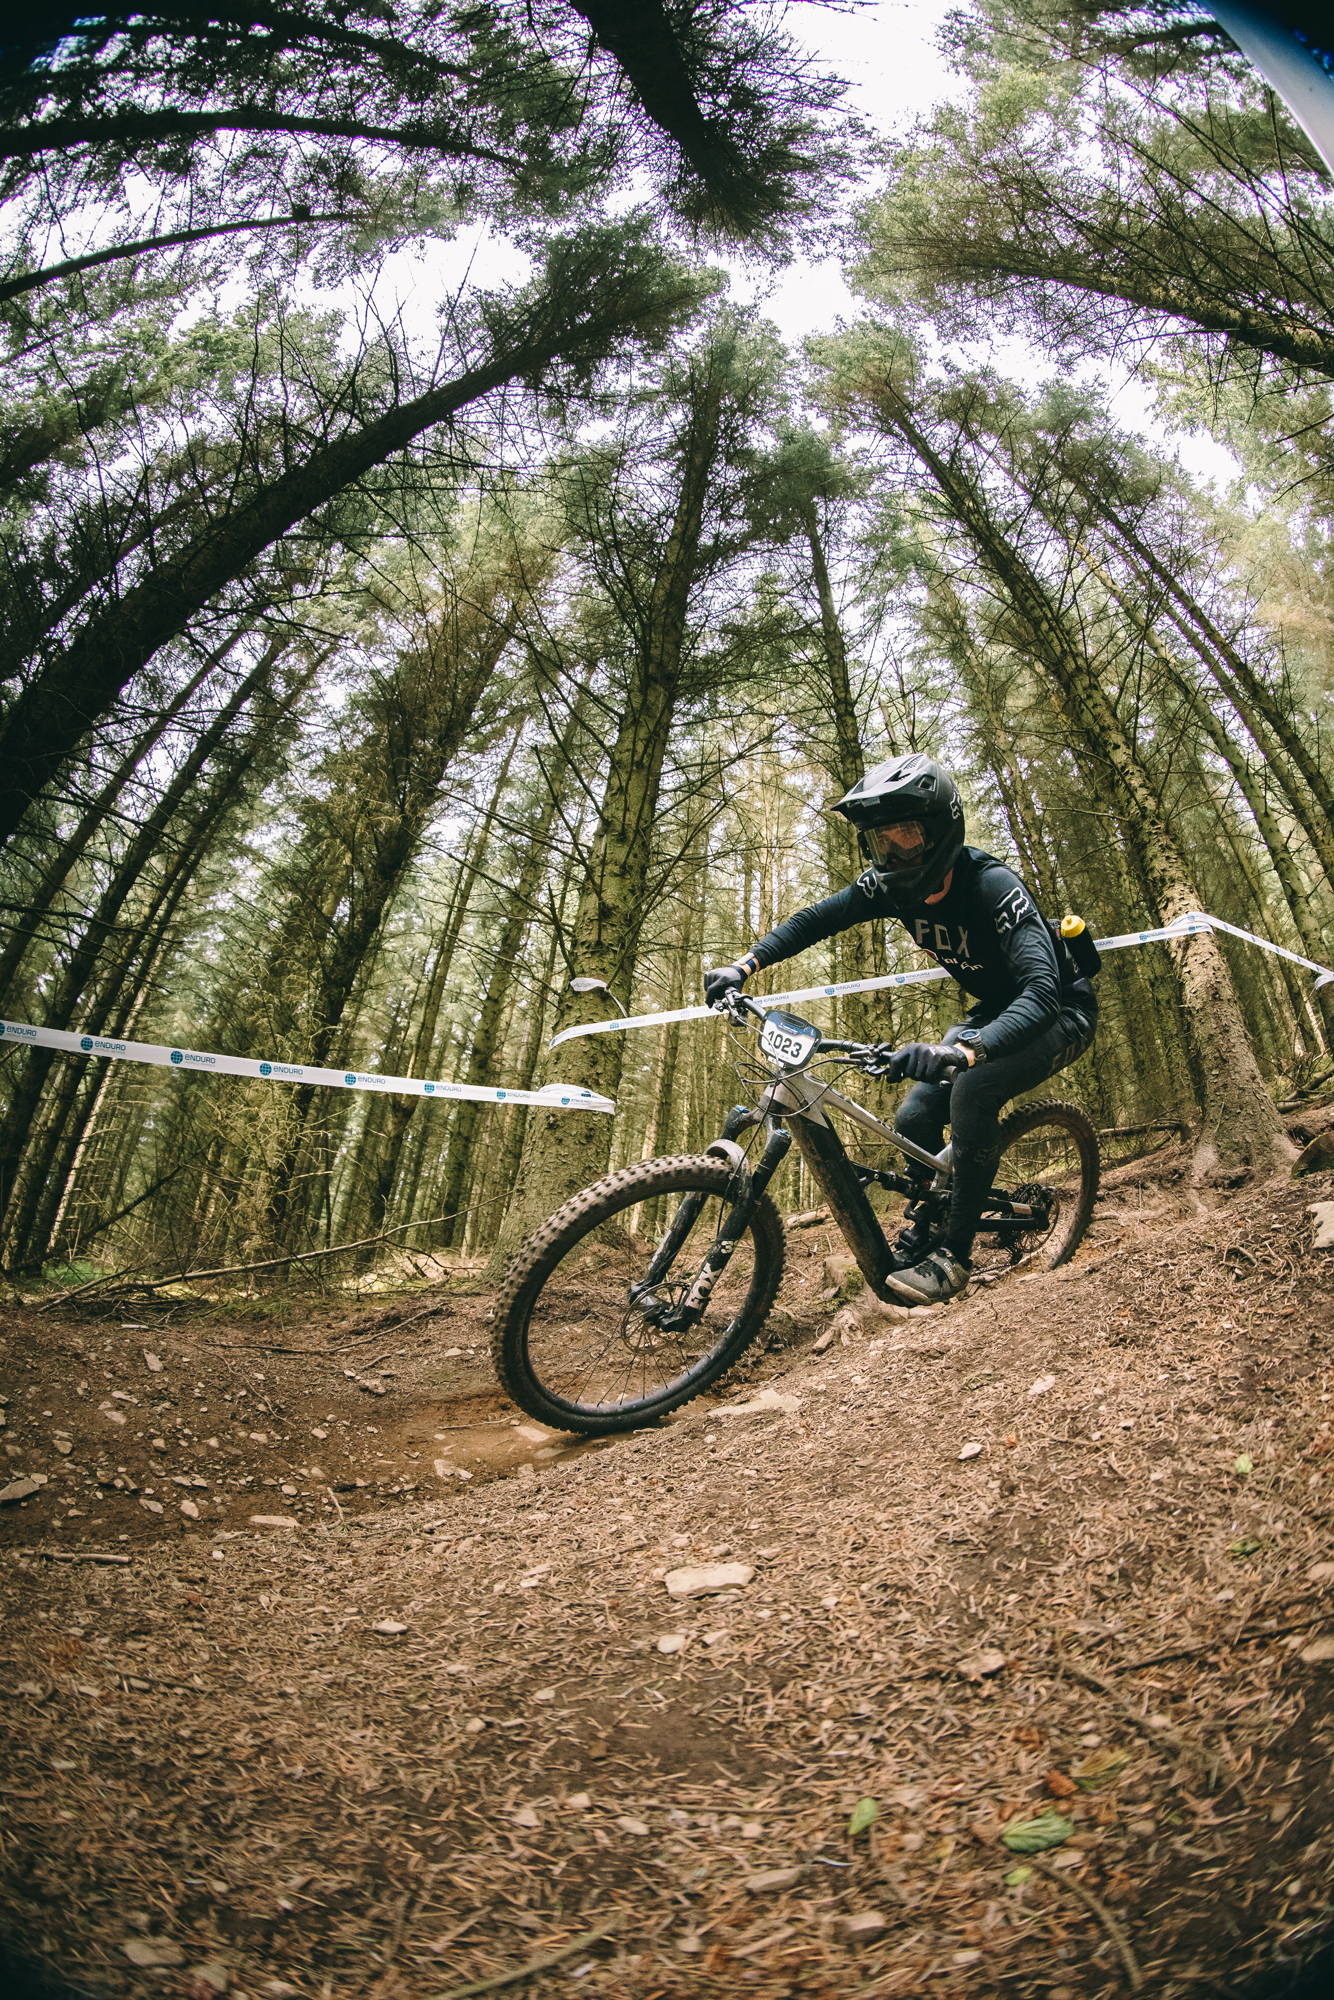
(1050, 1115)
(538, 1263)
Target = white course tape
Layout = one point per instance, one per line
(1193, 924)
(198, 1061)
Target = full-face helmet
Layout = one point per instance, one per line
(909, 821)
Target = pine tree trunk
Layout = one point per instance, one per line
(565, 1150)
(16, 1128)
(57, 869)
(1239, 1126)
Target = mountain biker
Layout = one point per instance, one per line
(1034, 1011)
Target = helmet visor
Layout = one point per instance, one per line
(902, 845)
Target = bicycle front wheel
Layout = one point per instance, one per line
(1043, 1193)
(585, 1335)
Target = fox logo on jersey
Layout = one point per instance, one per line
(1011, 911)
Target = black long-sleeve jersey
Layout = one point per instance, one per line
(986, 931)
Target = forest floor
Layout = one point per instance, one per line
(340, 1723)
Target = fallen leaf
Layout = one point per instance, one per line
(1317, 1652)
(971, 1451)
(670, 1642)
(1060, 1786)
(628, 1825)
(1015, 1878)
(1099, 1768)
(525, 1816)
(1035, 1836)
(390, 1628)
(1043, 1386)
(1242, 1465)
(865, 1813)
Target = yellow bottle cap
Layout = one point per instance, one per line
(1072, 926)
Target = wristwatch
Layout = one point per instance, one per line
(971, 1041)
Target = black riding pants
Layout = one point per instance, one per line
(971, 1105)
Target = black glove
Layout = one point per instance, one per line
(929, 1062)
(722, 981)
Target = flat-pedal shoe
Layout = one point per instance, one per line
(938, 1277)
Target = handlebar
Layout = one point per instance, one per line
(871, 1058)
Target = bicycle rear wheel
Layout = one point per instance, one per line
(574, 1342)
(1043, 1191)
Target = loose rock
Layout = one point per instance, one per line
(770, 1880)
(977, 1666)
(22, 1489)
(207, 1979)
(151, 1951)
(707, 1579)
(1323, 1211)
(863, 1927)
(766, 1400)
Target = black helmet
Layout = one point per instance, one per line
(909, 821)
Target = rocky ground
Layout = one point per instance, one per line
(333, 1677)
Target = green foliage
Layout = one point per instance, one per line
(424, 701)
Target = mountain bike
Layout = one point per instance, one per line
(647, 1287)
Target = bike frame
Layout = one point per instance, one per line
(797, 1105)
(794, 1107)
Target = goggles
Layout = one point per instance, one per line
(902, 845)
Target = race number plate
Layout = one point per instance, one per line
(788, 1040)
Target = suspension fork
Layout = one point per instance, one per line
(719, 1253)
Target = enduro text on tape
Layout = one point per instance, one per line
(200, 1062)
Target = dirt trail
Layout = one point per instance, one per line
(399, 1751)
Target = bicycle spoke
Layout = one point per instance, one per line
(1042, 1193)
(597, 1341)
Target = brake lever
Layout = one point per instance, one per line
(731, 1006)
